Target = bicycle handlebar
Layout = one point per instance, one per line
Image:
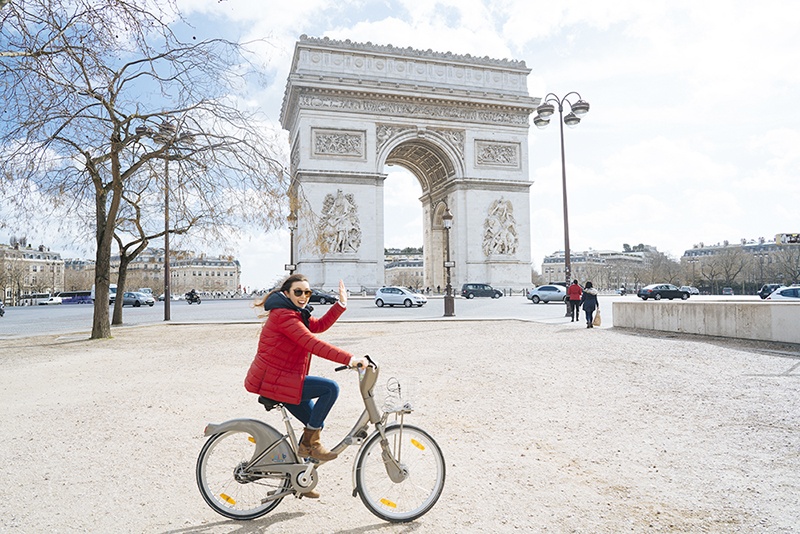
(346, 367)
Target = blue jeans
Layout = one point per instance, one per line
(313, 413)
(589, 314)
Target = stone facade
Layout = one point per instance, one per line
(458, 123)
(26, 270)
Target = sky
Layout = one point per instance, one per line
(691, 137)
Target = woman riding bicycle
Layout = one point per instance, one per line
(280, 368)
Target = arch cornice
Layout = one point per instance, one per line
(411, 107)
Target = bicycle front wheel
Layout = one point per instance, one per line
(227, 487)
(424, 471)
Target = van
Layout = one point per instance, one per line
(112, 293)
(727, 291)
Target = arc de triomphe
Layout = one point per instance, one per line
(458, 123)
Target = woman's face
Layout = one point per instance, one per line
(304, 291)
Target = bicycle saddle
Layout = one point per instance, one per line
(268, 403)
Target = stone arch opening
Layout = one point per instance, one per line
(435, 165)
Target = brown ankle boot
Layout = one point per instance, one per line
(310, 446)
(311, 494)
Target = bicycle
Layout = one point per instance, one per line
(246, 467)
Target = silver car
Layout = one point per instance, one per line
(136, 299)
(547, 294)
(392, 295)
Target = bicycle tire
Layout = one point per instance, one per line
(232, 497)
(414, 496)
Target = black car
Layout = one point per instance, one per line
(480, 290)
(322, 297)
(767, 289)
(662, 291)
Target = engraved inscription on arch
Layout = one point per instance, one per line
(500, 235)
(497, 154)
(345, 143)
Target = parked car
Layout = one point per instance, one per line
(767, 290)
(547, 294)
(480, 290)
(322, 297)
(662, 291)
(727, 291)
(785, 293)
(392, 295)
(691, 289)
(51, 300)
(136, 299)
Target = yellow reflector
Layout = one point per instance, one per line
(252, 439)
(387, 502)
(227, 499)
(418, 445)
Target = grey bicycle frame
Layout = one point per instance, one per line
(302, 476)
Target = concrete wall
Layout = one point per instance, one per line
(766, 321)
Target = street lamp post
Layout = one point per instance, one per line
(292, 220)
(167, 135)
(573, 118)
(449, 300)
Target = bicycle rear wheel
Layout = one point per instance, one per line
(224, 484)
(420, 457)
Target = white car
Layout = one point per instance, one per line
(691, 289)
(51, 300)
(785, 293)
(392, 295)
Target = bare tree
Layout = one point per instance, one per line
(96, 93)
(731, 262)
(711, 271)
(787, 261)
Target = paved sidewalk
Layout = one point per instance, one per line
(545, 428)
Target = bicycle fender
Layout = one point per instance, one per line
(254, 427)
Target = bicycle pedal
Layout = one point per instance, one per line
(310, 460)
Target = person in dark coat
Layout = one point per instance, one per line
(590, 303)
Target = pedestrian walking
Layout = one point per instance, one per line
(575, 292)
(590, 303)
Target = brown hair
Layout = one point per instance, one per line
(285, 286)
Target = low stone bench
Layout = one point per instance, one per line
(765, 321)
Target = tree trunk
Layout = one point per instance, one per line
(106, 221)
(101, 328)
(122, 276)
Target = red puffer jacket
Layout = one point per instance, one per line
(574, 291)
(284, 353)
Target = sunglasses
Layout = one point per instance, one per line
(300, 292)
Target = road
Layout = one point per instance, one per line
(42, 320)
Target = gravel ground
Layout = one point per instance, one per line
(544, 428)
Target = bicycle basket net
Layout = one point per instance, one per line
(398, 397)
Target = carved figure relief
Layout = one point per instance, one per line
(497, 154)
(338, 143)
(455, 137)
(412, 109)
(500, 229)
(339, 227)
(385, 132)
